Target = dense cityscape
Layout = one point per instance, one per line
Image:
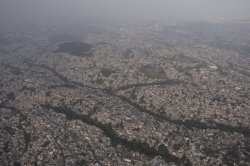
(149, 93)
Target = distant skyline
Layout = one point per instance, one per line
(78, 10)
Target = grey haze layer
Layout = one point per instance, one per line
(79, 10)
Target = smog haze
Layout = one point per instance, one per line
(79, 10)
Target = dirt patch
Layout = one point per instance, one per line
(75, 48)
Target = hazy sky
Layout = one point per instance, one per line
(30, 10)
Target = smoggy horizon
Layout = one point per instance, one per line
(12, 11)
